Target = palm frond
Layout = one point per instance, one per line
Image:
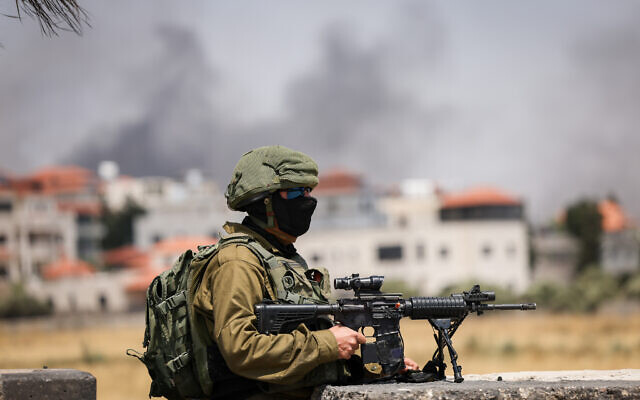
(54, 15)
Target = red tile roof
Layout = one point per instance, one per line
(338, 181)
(55, 180)
(128, 257)
(64, 268)
(180, 244)
(93, 208)
(613, 217)
(480, 196)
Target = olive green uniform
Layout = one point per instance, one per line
(233, 283)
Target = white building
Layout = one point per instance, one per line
(82, 290)
(190, 208)
(33, 232)
(431, 241)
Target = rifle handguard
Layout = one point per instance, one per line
(435, 307)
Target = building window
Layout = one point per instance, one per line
(491, 212)
(38, 268)
(156, 238)
(102, 301)
(84, 219)
(390, 253)
(316, 258)
(85, 246)
(420, 251)
(366, 206)
(6, 206)
(486, 251)
(4, 272)
(444, 252)
(36, 238)
(3, 239)
(402, 221)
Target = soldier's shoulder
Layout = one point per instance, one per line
(236, 252)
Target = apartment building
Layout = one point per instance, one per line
(33, 233)
(428, 239)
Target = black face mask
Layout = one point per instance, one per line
(294, 216)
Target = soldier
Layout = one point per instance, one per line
(257, 261)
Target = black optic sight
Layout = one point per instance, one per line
(356, 283)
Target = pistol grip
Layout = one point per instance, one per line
(369, 353)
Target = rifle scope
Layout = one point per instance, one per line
(356, 283)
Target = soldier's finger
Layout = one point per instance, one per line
(360, 338)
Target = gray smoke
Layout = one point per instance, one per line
(592, 147)
(349, 110)
(175, 129)
(343, 111)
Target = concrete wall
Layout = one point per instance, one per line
(568, 385)
(47, 384)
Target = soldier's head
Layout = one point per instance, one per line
(273, 184)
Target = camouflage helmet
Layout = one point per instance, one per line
(266, 169)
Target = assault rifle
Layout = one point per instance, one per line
(382, 312)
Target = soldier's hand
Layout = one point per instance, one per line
(348, 340)
(409, 364)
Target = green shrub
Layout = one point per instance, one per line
(632, 287)
(593, 287)
(18, 303)
(548, 296)
(589, 290)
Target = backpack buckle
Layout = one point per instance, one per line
(179, 362)
(172, 302)
(177, 300)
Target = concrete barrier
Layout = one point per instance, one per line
(68, 384)
(619, 384)
(46, 384)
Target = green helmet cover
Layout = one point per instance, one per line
(266, 169)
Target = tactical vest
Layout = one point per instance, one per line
(291, 281)
(183, 361)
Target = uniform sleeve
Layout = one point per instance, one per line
(282, 359)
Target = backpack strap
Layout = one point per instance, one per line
(267, 259)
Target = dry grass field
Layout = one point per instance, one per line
(496, 343)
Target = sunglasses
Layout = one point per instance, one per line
(294, 193)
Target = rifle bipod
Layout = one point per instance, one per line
(444, 331)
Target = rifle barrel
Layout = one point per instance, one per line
(524, 307)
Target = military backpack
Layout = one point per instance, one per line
(176, 345)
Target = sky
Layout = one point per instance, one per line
(539, 98)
